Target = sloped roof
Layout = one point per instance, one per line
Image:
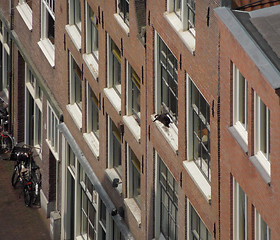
(258, 32)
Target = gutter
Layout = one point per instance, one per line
(95, 181)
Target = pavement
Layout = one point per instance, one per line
(18, 222)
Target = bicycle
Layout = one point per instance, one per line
(27, 173)
(7, 142)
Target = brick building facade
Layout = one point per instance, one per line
(132, 105)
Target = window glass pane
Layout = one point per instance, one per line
(169, 208)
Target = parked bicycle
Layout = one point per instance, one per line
(7, 142)
(27, 173)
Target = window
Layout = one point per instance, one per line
(240, 213)
(116, 232)
(4, 59)
(102, 220)
(123, 10)
(199, 129)
(92, 112)
(114, 67)
(134, 177)
(24, 8)
(190, 4)
(33, 106)
(88, 213)
(75, 14)
(185, 12)
(262, 231)
(166, 202)
(133, 94)
(114, 154)
(262, 129)
(92, 33)
(197, 229)
(240, 102)
(48, 20)
(167, 82)
(75, 83)
(47, 40)
(53, 132)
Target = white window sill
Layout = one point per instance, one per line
(93, 143)
(187, 38)
(122, 23)
(112, 174)
(74, 35)
(134, 209)
(92, 64)
(113, 98)
(170, 134)
(133, 126)
(198, 179)
(240, 135)
(48, 49)
(26, 14)
(76, 114)
(55, 154)
(262, 165)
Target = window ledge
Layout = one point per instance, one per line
(134, 209)
(74, 35)
(93, 143)
(262, 165)
(170, 134)
(76, 114)
(239, 137)
(26, 14)
(55, 153)
(198, 179)
(133, 126)
(187, 38)
(92, 64)
(48, 49)
(113, 98)
(122, 23)
(111, 174)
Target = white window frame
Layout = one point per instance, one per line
(158, 194)
(91, 57)
(193, 109)
(123, 14)
(258, 135)
(91, 33)
(4, 42)
(25, 12)
(92, 137)
(72, 93)
(131, 177)
(259, 231)
(73, 108)
(133, 82)
(52, 131)
(31, 90)
(160, 106)
(194, 234)
(113, 54)
(111, 155)
(237, 191)
(46, 45)
(90, 105)
(238, 88)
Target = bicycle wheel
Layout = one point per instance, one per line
(27, 196)
(7, 143)
(15, 177)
